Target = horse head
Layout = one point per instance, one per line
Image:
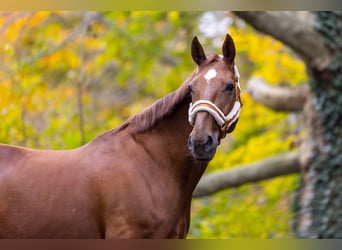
(215, 93)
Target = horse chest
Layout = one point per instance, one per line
(145, 212)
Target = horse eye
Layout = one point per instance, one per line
(229, 87)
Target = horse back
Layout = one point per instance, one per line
(10, 155)
(44, 193)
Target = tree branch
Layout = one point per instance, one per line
(276, 97)
(293, 31)
(271, 167)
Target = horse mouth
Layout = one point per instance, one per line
(204, 157)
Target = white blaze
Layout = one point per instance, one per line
(210, 75)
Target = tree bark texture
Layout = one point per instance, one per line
(318, 203)
(319, 200)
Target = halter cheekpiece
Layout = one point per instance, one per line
(224, 121)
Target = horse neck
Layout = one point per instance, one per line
(166, 143)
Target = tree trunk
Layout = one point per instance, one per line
(318, 203)
(319, 199)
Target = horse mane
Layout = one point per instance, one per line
(161, 108)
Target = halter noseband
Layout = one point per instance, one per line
(224, 121)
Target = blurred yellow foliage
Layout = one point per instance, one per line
(65, 59)
(273, 61)
(37, 17)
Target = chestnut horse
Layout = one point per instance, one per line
(134, 181)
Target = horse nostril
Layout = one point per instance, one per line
(209, 143)
(202, 147)
(205, 145)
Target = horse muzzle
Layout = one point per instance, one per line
(203, 147)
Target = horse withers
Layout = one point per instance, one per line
(134, 181)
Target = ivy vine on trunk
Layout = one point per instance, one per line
(319, 213)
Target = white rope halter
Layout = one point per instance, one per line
(224, 121)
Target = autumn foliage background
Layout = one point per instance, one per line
(66, 77)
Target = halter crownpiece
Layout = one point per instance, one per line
(224, 121)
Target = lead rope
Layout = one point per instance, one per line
(224, 121)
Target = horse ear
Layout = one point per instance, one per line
(228, 49)
(197, 51)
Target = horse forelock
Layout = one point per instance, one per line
(210, 59)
